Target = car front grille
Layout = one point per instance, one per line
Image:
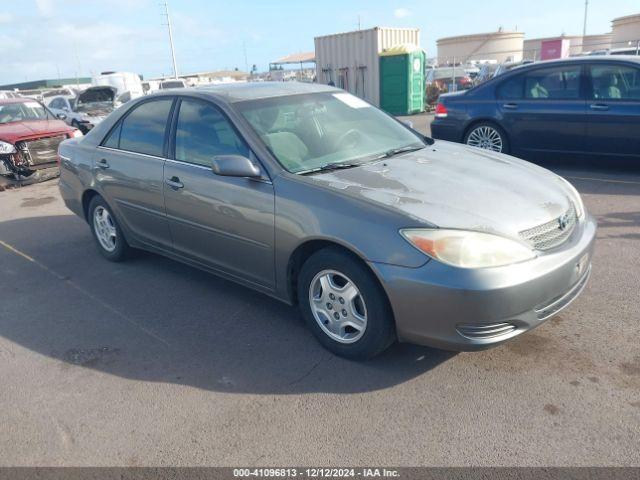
(553, 233)
(41, 151)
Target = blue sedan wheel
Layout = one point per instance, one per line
(488, 137)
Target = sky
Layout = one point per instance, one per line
(62, 38)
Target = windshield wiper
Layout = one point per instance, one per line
(330, 166)
(396, 151)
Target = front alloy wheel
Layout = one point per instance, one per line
(338, 306)
(344, 305)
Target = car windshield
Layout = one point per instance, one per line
(19, 112)
(313, 131)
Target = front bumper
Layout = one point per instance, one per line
(473, 309)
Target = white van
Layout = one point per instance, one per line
(123, 82)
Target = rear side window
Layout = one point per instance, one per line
(203, 132)
(615, 82)
(143, 129)
(511, 89)
(559, 83)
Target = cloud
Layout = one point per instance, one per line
(45, 7)
(6, 18)
(401, 12)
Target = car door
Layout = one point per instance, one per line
(614, 109)
(226, 223)
(129, 170)
(544, 109)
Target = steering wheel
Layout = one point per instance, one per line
(349, 139)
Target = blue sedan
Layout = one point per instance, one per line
(585, 106)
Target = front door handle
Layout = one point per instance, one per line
(510, 106)
(102, 163)
(599, 106)
(174, 182)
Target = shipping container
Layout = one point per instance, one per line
(351, 60)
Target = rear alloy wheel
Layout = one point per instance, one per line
(488, 137)
(344, 306)
(106, 231)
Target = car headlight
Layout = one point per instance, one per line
(468, 249)
(76, 133)
(577, 200)
(7, 148)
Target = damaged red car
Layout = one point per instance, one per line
(29, 137)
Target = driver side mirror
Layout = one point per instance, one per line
(61, 116)
(234, 166)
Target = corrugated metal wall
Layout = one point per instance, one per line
(351, 59)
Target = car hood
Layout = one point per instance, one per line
(15, 131)
(454, 186)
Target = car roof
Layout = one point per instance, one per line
(581, 59)
(238, 92)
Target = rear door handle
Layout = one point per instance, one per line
(102, 163)
(174, 182)
(599, 106)
(510, 106)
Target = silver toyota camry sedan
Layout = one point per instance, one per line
(315, 197)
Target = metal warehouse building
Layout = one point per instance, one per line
(351, 60)
(500, 46)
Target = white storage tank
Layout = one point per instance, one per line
(351, 60)
(500, 46)
(625, 31)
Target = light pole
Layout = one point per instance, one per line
(173, 53)
(584, 27)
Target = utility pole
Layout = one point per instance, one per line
(246, 62)
(584, 27)
(173, 53)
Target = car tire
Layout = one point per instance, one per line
(106, 231)
(487, 135)
(353, 298)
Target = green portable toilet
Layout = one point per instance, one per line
(402, 79)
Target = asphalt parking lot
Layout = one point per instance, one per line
(154, 363)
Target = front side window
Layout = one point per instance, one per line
(143, 130)
(203, 132)
(310, 131)
(615, 82)
(554, 83)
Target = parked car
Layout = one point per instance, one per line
(89, 113)
(9, 94)
(315, 197)
(29, 137)
(90, 107)
(49, 95)
(170, 84)
(445, 79)
(586, 106)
